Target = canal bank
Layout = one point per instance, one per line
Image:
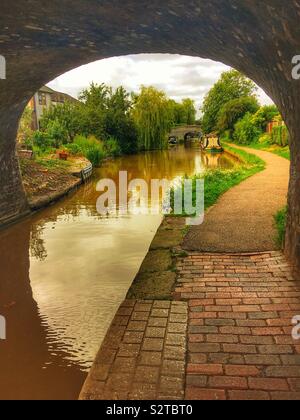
(47, 183)
(48, 180)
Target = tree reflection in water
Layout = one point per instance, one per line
(31, 367)
(37, 244)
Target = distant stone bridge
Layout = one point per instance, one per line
(183, 131)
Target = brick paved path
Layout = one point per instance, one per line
(235, 343)
(240, 311)
(143, 355)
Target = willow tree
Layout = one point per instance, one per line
(152, 117)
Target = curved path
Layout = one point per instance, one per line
(243, 218)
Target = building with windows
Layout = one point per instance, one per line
(43, 100)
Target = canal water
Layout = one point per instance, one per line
(64, 272)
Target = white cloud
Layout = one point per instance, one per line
(178, 76)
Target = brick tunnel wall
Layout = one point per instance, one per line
(13, 202)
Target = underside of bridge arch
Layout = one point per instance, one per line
(41, 40)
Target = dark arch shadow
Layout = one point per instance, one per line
(192, 135)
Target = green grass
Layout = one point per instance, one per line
(218, 181)
(91, 148)
(283, 152)
(280, 220)
(246, 159)
(49, 163)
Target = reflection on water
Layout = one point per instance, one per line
(64, 272)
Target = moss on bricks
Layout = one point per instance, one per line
(157, 276)
(158, 260)
(153, 286)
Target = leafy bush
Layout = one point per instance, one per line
(68, 115)
(91, 148)
(112, 147)
(235, 110)
(74, 149)
(41, 140)
(265, 139)
(95, 155)
(246, 132)
(56, 133)
(53, 137)
(264, 115)
(82, 142)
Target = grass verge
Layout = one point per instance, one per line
(50, 163)
(219, 181)
(283, 152)
(280, 221)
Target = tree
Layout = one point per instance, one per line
(96, 96)
(152, 117)
(107, 114)
(57, 133)
(177, 112)
(25, 127)
(235, 110)
(93, 115)
(68, 115)
(119, 123)
(184, 112)
(231, 85)
(189, 111)
(101, 112)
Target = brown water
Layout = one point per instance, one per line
(64, 272)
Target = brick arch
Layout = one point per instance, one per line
(41, 40)
(191, 134)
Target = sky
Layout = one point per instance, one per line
(179, 76)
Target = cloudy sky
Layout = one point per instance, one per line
(179, 76)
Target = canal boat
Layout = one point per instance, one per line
(211, 143)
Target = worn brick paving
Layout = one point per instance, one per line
(239, 334)
(226, 335)
(143, 355)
